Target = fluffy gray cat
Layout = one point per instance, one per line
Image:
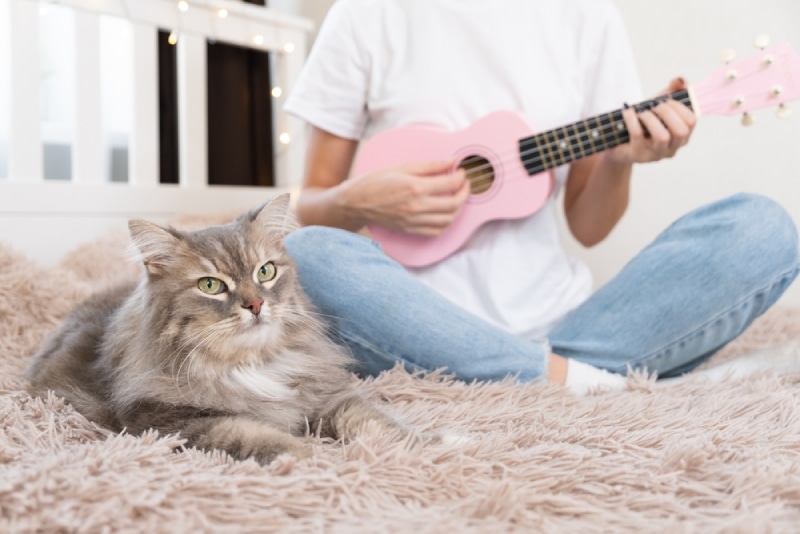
(217, 342)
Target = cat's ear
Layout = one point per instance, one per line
(156, 246)
(277, 215)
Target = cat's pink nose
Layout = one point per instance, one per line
(253, 305)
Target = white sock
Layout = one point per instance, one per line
(583, 378)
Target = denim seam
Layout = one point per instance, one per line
(358, 340)
(655, 354)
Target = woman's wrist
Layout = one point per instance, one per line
(344, 202)
(609, 174)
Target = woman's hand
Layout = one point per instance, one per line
(657, 133)
(598, 187)
(419, 198)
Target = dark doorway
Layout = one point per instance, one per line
(240, 146)
(239, 116)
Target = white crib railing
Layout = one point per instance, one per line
(32, 208)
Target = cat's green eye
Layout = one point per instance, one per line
(212, 286)
(267, 272)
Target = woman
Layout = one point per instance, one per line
(511, 301)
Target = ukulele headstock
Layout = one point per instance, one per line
(770, 77)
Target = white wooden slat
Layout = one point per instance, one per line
(5, 83)
(87, 146)
(25, 158)
(293, 157)
(144, 150)
(192, 111)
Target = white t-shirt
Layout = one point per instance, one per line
(379, 64)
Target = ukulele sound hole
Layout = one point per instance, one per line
(480, 173)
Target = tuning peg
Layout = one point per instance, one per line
(727, 55)
(748, 120)
(762, 41)
(783, 111)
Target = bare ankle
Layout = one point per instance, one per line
(557, 369)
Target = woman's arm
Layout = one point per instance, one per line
(328, 162)
(420, 198)
(598, 187)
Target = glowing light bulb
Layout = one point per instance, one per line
(173, 38)
(276, 92)
(222, 13)
(259, 40)
(285, 138)
(183, 5)
(288, 47)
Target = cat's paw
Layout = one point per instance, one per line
(447, 439)
(266, 454)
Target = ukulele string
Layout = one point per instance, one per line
(562, 155)
(553, 147)
(589, 144)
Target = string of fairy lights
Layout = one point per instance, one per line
(252, 39)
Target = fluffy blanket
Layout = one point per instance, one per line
(532, 458)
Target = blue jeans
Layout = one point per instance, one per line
(699, 285)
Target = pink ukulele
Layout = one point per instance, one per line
(509, 169)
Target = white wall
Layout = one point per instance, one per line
(684, 38)
(310, 9)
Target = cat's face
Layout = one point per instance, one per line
(229, 290)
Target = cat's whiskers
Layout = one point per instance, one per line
(203, 342)
(298, 317)
(193, 358)
(324, 316)
(201, 339)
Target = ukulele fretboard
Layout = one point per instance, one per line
(560, 146)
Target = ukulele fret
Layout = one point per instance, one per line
(564, 145)
(579, 151)
(592, 127)
(613, 125)
(549, 140)
(532, 146)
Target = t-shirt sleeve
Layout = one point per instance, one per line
(612, 78)
(330, 92)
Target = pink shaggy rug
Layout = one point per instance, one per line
(693, 458)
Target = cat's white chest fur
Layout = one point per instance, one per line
(270, 383)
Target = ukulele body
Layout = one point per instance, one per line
(489, 151)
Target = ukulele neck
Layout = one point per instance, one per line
(572, 142)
